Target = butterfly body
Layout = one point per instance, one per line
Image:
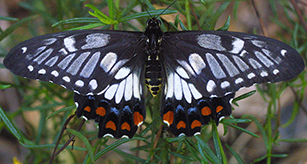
(196, 72)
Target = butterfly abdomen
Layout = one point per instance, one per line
(153, 77)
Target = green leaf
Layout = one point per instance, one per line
(8, 18)
(244, 96)
(10, 126)
(4, 86)
(76, 20)
(225, 27)
(235, 154)
(16, 25)
(65, 109)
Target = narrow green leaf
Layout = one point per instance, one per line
(10, 126)
(65, 109)
(76, 20)
(8, 18)
(145, 14)
(112, 146)
(204, 146)
(16, 25)
(218, 145)
(4, 86)
(225, 27)
(235, 154)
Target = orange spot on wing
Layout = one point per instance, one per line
(205, 111)
(219, 108)
(169, 117)
(87, 108)
(138, 118)
(101, 111)
(181, 124)
(126, 126)
(111, 125)
(195, 124)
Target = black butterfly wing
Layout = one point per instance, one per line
(104, 69)
(203, 70)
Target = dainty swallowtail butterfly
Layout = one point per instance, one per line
(197, 72)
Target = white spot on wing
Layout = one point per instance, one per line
(42, 71)
(275, 71)
(79, 83)
(254, 63)
(66, 79)
(177, 87)
(24, 49)
(263, 59)
(210, 41)
(76, 65)
(30, 68)
(283, 52)
(194, 91)
(231, 69)
(216, 69)
(93, 84)
(49, 41)
(210, 85)
(90, 65)
(52, 61)
(96, 40)
(259, 43)
(118, 65)
(65, 62)
(128, 88)
(69, 44)
(182, 72)
(109, 94)
(55, 73)
(186, 91)
(240, 63)
(197, 62)
(63, 51)
(108, 61)
(122, 73)
(120, 92)
(264, 74)
(225, 84)
(237, 44)
(251, 75)
(170, 86)
(186, 66)
(239, 80)
(136, 89)
(43, 56)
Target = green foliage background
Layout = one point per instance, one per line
(54, 104)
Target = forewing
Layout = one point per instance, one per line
(84, 61)
(221, 62)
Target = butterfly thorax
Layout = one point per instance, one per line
(153, 37)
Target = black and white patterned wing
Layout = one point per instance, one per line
(104, 69)
(221, 62)
(203, 70)
(83, 61)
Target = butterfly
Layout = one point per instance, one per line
(196, 72)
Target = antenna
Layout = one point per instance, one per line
(166, 8)
(161, 12)
(144, 8)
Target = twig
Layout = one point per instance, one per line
(55, 153)
(259, 18)
(299, 13)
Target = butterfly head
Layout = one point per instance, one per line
(153, 24)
